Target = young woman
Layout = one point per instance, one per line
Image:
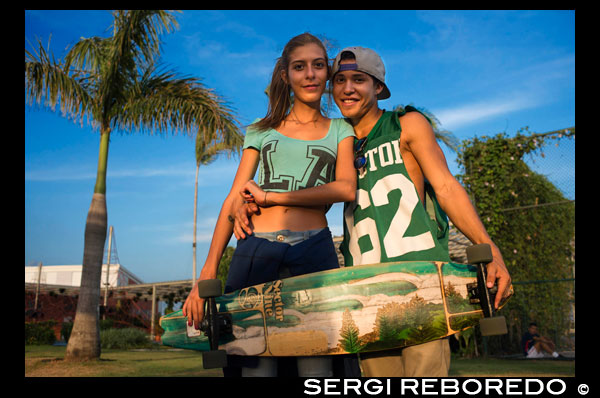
(298, 150)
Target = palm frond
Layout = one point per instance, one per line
(448, 138)
(136, 32)
(87, 55)
(135, 42)
(205, 155)
(164, 101)
(48, 81)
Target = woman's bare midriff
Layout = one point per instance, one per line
(293, 218)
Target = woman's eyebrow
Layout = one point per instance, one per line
(304, 60)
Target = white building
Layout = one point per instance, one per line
(70, 275)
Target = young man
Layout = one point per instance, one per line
(536, 346)
(398, 162)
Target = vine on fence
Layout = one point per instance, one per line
(537, 242)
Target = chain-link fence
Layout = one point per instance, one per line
(556, 162)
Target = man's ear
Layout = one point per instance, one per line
(379, 88)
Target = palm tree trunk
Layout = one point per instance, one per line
(84, 342)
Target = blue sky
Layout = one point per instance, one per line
(479, 72)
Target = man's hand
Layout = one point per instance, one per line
(241, 224)
(193, 308)
(496, 270)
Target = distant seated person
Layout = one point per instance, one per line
(536, 346)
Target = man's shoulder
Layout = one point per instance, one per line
(411, 118)
(413, 125)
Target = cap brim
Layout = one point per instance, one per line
(384, 94)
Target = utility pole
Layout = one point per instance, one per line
(37, 289)
(153, 316)
(106, 284)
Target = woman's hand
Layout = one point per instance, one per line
(252, 193)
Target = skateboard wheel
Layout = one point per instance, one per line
(493, 326)
(479, 254)
(209, 288)
(214, 359)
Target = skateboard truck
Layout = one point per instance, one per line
(490, 325)
(213, 324)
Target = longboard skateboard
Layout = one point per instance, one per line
(347, 310)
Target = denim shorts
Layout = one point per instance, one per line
(287, 236)
(268, 256)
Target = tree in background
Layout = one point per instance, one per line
(115, 83)
(224, 263)
(530, 220)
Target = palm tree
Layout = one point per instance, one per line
(444, 136)
(115, 84)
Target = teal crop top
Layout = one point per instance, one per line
(289, 164)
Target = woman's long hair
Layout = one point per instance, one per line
(280, 100)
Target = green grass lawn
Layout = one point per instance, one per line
(48, 361)
(44, 361)
(460, 367)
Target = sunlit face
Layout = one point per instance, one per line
(307, 73)
(354, 92)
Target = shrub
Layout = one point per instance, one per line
(106, 324)
(39, 333)
(124, 338)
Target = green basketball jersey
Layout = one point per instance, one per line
(387, 221)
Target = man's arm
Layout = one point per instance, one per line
(419, 140)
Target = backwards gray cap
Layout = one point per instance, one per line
(367, 61)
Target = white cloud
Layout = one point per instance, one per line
(187, 170)
(60, 173)
(180, 232)
(462, 115)
(521, 88)
(187, 237)
(204, 231)
(63, 173)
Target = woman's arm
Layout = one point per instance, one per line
(343, 189)
(193, 308)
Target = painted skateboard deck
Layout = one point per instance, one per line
(347, 310)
